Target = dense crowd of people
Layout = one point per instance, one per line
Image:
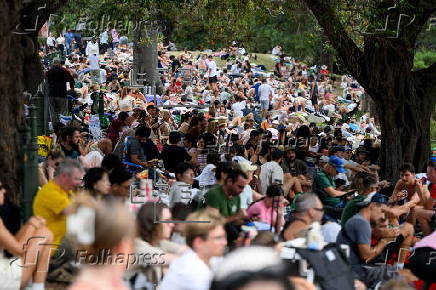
(232, 176)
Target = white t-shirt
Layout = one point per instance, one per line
(60, 40)
(264, 92)
(102, 76)
(238, 107)
(207, 176)
(235, 70)
(330, 232)
(93, 159)
(246, 196)
(211, 65)
(180, 192)
(51, 41)
(206, 96)
(187, 272)
(93, 62)
(270, 172)
(92, 48)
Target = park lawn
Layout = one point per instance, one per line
(265, 59)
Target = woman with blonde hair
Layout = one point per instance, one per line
(126, 101)
(104, 232)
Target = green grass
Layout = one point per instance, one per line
(264, 59)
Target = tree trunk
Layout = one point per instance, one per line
(145, 57)
(405, 137)
(403, 108)
(11, 89)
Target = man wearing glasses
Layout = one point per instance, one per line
(53, 200)
(308, 209)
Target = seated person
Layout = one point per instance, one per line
(426, 215)
(269, 210)
(31, 241)
(357, 233)
(207, 176)
(397, 251)
(308, 209)
(120, 180)
(134, 149)
(172, 153)
(226, 198)
(153, 243)
(406, 190)
(53, 202)
(181, 189)
(325, 187)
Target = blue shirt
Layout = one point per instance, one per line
(339, 163)
(256, 91)
(69, 36)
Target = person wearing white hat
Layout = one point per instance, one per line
(248, 195)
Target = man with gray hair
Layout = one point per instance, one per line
(308, 209)
(53, 200)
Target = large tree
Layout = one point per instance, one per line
(20, 70)
(376, 42)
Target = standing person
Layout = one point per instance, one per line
(94, 68)
(96, 182)
(51, 43)
(104, 42)
(115, 38)
(92, 47)
(60, 41)
(213, 73)
(192, 271)
(265, 96)
(57, 78)
(69, 38)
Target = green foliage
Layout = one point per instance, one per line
(201, 24)
(424, 59)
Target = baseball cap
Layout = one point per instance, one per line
(324, 159)
(247, 167)
(338, 163)
(373, 197)
(337, 149)
(281, 127)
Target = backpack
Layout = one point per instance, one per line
(331, 267)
